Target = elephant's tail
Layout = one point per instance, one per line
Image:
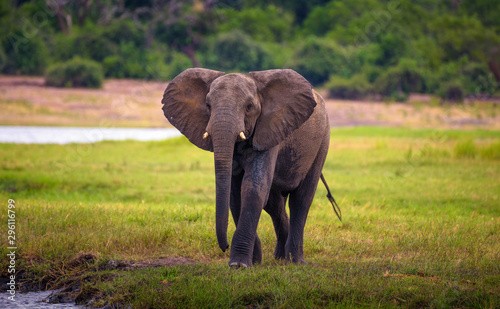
(336, 207)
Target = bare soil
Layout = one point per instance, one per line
(137, 103)
(69, 289)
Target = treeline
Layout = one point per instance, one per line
(356, 49)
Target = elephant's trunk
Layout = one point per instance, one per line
(223, 139)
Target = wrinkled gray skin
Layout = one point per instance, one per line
(286, 139)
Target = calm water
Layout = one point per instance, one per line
(66, 135)
(31, 300)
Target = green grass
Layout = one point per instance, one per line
(421, 223)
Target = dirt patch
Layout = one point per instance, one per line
(137, 103)
(420, 274)
(161, 262)
(120, 103)
(344, 113)
(81, 270)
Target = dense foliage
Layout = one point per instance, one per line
(354, 48)
(76, 72)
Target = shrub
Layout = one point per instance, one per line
(124, 30)
(452, 91)
(356, 87)
(113, 66)
(478, 79)
(315, 60)
(398, 96)
(400, 80)
(92, 45)
(161, 67)
(312, 61)
(76, 72)
(371, 72)
(129, 62)
(177, 63)
(24, 55)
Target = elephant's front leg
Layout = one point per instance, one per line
(245, 239)
(235, 204)
(255, 188)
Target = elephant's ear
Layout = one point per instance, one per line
(287, 102)
(184, 104)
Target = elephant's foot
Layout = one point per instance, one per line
(296, 260)
(242, 259)
(301, 261)
(294, 254)
(279, 253)
(237, 263)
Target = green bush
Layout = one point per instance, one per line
(452, 91)
(454, 81)
(76, 72)
(398, 81)
(478, 79)
(165, 65)
(92, 45)
(113, 66)
(317, 59)
(124, 30)
(177, 63)
(262, 24)
(236, 51)
(356, 87)
(24, 55)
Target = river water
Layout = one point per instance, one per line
(67, 135)
(32, 300)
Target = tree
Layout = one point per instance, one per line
(267, 24)
(236, 52)
(466, 36)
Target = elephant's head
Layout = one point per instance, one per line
(215, 111)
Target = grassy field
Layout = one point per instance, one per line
(421, 224)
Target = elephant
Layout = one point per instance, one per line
(269, 133)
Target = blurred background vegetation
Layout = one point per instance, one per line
(364, 49)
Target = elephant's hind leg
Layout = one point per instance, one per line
(300, 202)
(276, 208)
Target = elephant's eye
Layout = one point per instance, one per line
(208, 107)
(249, 107)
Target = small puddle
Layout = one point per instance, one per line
(32, 300)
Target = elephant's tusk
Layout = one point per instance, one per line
(242, 135)
(205, 135)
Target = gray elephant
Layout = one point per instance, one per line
(270, 136)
